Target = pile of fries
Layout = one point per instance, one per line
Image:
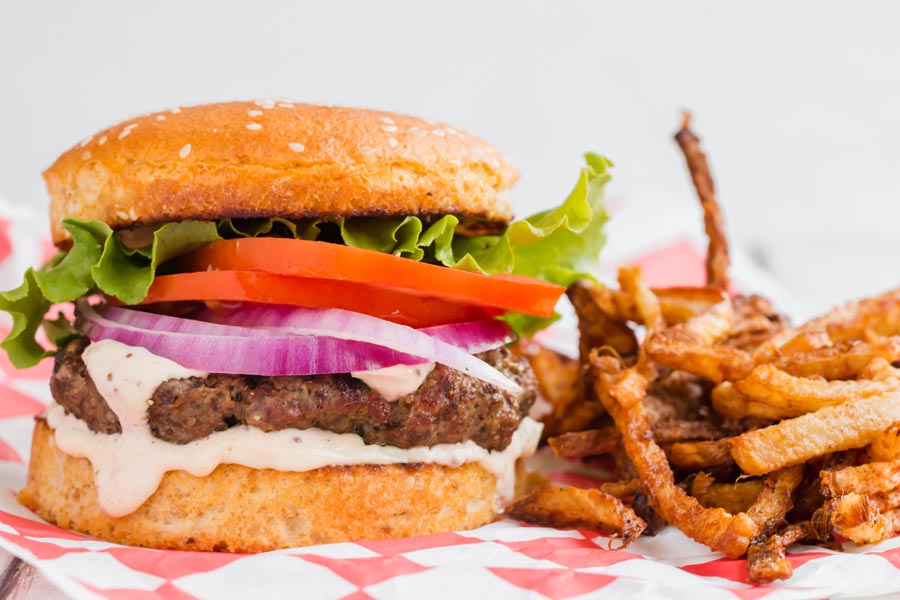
(744, 433)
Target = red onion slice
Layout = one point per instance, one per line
(342, 343)
(344, 324)
(474, 336)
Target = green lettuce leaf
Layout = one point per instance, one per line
(559, 245)
(127, 273)
(27, 306)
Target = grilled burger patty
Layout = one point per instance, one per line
(449, 407)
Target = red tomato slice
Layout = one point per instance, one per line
(320, 260)
(406, 308)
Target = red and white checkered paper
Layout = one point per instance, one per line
(503, 560)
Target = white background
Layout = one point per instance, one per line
(798, 103)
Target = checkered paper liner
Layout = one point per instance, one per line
(502, 560)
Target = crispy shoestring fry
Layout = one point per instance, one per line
(556, 506)
(854, 320)
(830, 429)
(711, 526)
(776, 498)
(624, 490)
(856, 519)
(717, 257)
(645, 300)
(870, 478)
(766, 560)
(839, 362)
(733, 497)
(795, 396)
(693, 456)
(880, 369)
(590, 442)
(728, 401)
(690, 346)
(886, 446)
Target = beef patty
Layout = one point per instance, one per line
(449, 407)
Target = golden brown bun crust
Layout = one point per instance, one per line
(239, 509)
(268, 159)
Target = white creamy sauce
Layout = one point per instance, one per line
(129, 466)
(397, 381)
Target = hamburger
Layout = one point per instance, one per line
(291, 327)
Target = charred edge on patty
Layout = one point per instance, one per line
(448, 408)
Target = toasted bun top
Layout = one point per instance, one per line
(268, 159)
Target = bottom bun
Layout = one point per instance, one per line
(239, 509)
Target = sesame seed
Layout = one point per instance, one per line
(285, 105)
(387, 120)
(439, 132)
(124, 133)
(389, 128)
(421, 133)
(85, 155)
(414, 128)
(254, 113)
(254, 126)
(121, 215)
(132, 214)
(176, 110)
(85, 142)
(392, 142)
(265, 103)
(185, 150)
(160, 117)
(296, 147)
(101, 141)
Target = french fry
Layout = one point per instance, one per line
(666, 432)
(733, 497)
(886, 501)
(795, 396)
(854, 517)
(678, 304)
(555, 506)
(852, 321)
(596, 328)
(830, 429)
(886, 446)
(879, 369)
(729, 534)
(590, 442)
(844, 361)
(690, 346)
(728, 401)
(645, 300)
(755, 322)
(766, 560)
(776, 498)
(717, 256)
(694, 456)
(623, 490)
(558, 379)
(870, 478)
